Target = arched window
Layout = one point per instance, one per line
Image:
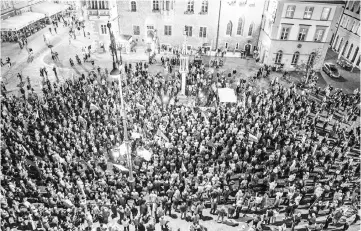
(240, 26)
(250, 31)
(229, 28)
(335, 43)
(295, 58)
(355, 54)
(311, 59)
(340, 45)
(133, 5)
(344, 48)
(278, 57)
(349, 52)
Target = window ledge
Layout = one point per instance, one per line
(203, 13)
(188, 12)
(155, 11)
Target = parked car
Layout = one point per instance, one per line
(345, 64)
(331, 70)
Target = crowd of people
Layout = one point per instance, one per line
(271, 153)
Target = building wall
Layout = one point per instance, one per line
(177, 19)
(270, 40)
(250, 13)
(349, 32)
(98, 17)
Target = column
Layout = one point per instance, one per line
(183, 91)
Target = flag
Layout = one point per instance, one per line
(93, 107)
(253, 138)
(184, 169)
(161, 134)
(36, 114)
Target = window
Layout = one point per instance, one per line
(103, 29)
(290, 11)
(240, 26)
(284, 33)
(340, 45)
(347, 23)
(155, 4)
(325, 13)
(350, 5)
(278, 57)
(336, 42)
(204, 6)
(343, 21)
(190, 6)
(133, 6)
(101, 5)
(188, 31)
(344, 48)
(302, 34)
(229, 29)
(203, 32)
(167, 5)
(311, 59)
(168, 30)
(349, 52)
(355, 54)
(136, 30)
(295, 57)
(308, 12)
(250, 31)
(319, 35)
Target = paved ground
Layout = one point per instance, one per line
(349, 81)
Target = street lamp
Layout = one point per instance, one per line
(113, 49)
(131, 179)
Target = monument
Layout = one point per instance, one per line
(183, 69)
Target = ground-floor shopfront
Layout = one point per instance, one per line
(25, 24)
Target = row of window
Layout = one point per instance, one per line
(338, 46)
(98, 5)
(168, 5)
(295, 58)
(188, 31)
(353, 6)
(240, 28)
(302, 34)
(350, 24)
(308, 12)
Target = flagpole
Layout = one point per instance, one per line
(126, 140)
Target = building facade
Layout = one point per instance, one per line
(99, 13)
(192, 23)
(297, 33)
(346, 40)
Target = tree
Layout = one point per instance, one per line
(308, 65)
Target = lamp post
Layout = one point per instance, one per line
(131, 179)
(113, 49)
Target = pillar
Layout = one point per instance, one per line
(183, 69)
(183, 91)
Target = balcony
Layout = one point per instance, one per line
(156, 10)
(103, 14)
(203, 12)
